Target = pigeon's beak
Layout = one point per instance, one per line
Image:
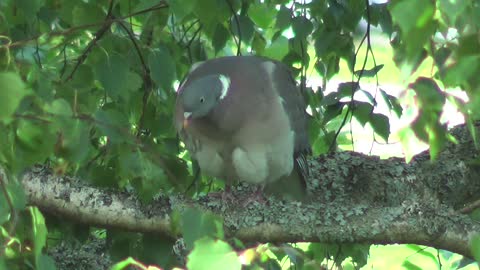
(187, 116)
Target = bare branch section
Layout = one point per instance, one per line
(354, 199)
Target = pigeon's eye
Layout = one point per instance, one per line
(202, 99)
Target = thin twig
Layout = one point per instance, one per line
(470, 208)
(185, 30)
(354, 86)
(73, 29)
(147, 80)
(98, 35)
(239, 31)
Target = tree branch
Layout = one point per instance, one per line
(354, 199)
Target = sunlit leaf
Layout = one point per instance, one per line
(262, 14)
(278, 49)
(242, 28)
(212, 254)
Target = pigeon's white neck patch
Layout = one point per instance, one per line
(225, 85)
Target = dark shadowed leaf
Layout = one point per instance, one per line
(302, 27)
(347, 89)
(369, 73)
(162, 68)
(113, 124)
(220, 37)
(112, 72)
(243, 28)
(206, 224)
(380, 125)
(284, 16)
(429, 94)
(362, 112)
(392, 103)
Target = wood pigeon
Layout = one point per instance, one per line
(243, 118)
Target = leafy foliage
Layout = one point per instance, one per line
(89, 86)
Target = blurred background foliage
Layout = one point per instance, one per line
(88, 88)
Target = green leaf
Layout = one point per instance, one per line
(411, 15)
(213, 254)
(332, 111)
(295, 255)
(262, 14)
(220, 37)
(45, 262)
(380, 125)
(358, 252)
(302, 27)
(17, 195)
(423, 252)
(392, 103)
(278, 49)
(13, 91)
(323, 251)
(206, 224)
(464, 69)
(416, 20)
(284, 17)
(453, 9)
(211, 12)
(157, 249)
(112, 72)
(181, 8)
(29, 8)
(147, 177)
(243, 28)
(411, 266)
(87, 13)
(430, 96)
(74, 143)
(122, 244)
(475, 247)
(4, 209)
(59, 107)
(35, 141)
(39, 230)
(3, 266)
(347, 89)
(113, 124)
(369, 73)
(258, 43)
(362, 112)
(162, 68)
(321, 144)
